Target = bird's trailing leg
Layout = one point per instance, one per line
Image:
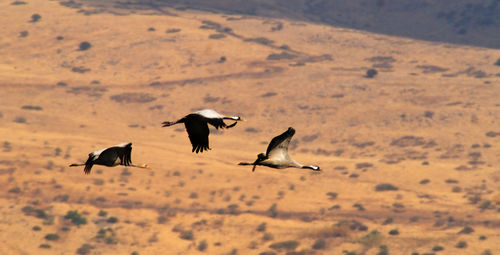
(142, 166)
(232, 125)
(76, 165)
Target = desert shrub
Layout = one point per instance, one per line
(20, 119)
(394, 232)
(280, 56)
(186, 235)
(262, 227)
(15, 190)
(485, 205)
(202, 246)
(75, 218)
(387, 221)
(273, 210)
(285, 245)
(112, 220)
(36, 228)
(466, 230)
(461, 244)
(267, 237)
(52, 237)
(193, 195)
(59, 38)
(332, 195)
(84, 249)
(320, 244)
(222, 59)
(18, 3)
(35, 17)
(61, 84)
(373, 238)
(151, 29)
(482, 238)
(84, 46)
(383, 250)
(134, 253)
(437, 248)
(172, 30)
(23, 34)
(370, 73)
(32, 107)
(217, 36)
(385, 187)
(486, 252)
(80, 69)
(425, 181)
(45, 246)
(260, 40)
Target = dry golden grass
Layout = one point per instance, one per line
(346, 123)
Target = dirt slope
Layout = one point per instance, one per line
(410, 157)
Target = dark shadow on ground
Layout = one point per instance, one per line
(467, 22)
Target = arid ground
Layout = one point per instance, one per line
(410, 156)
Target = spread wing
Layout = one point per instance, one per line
(278, 147)
(198, 132)
(126, 155)
(89, 164)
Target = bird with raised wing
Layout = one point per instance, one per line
(197, 126)
(276, 155)
(119, 154)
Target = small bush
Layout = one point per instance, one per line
(52, 237)
(437, 248)
(84, 46)
(373, 238)
(187, 235)
(75, 218)
(498, 62)
(320, 244)
(32, 107)
(332, 195)
(35, 17)
(202, 246)
(102, 213)
(267, 237)
(45, 246)
(370, 73)
(466, 230)
(461, 244)
(112, 220)
(394, 232)
(18, 3)
(84, 249)
(217, 36)
(173, 30)
(285, 245)
(273, 210)
(385, 187)
(262, 227)
(36, 228)
(23, 34)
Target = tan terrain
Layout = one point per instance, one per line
(410, 158)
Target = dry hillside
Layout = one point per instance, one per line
(410, 156)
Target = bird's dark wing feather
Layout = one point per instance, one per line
(108, 156)
(216, 122)
(88, 164)
(126, 155)
(282, 141)
(197, 129)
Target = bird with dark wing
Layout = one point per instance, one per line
(276, 155)
(119, 154)
(197, 126)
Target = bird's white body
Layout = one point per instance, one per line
(209, 113)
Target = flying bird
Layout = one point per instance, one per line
(119, 154)
(277, 156)
(197, 126)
